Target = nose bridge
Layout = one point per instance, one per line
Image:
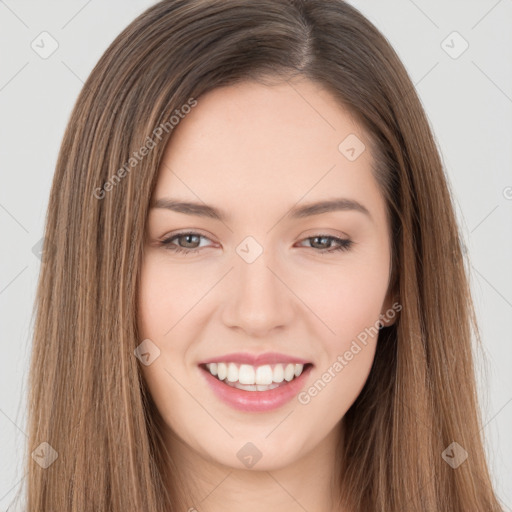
(259, 300)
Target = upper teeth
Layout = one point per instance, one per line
(247, 374)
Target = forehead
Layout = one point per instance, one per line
(251, 145)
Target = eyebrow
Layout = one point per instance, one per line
(297, 212)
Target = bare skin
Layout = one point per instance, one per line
(255, 152)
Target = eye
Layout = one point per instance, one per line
(191, 240)
(343, 244)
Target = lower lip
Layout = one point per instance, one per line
(256, 401)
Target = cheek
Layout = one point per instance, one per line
(347, 356)
(349, 301)
(151, 301)
(160, 296)
(166, 292)
(338, 384)
(161, 302)
(346, 299)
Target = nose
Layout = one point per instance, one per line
(259, 300)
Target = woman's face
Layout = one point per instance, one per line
(259, 287)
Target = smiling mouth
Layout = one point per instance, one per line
(255, 378)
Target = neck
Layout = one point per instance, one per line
(310, 482)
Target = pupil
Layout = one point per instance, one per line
(322, 240)
(188, 237)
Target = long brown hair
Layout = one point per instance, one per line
(87, 397)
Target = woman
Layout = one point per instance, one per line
(255, 296)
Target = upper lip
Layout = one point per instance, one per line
(256, 359)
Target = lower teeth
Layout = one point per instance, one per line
(253, 387)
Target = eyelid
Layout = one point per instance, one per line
(185, 232)
(326, 232)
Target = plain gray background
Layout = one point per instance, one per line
(468, 99)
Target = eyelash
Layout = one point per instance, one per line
(344, 244)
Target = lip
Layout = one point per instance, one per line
(255, 359)
(256, 401)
